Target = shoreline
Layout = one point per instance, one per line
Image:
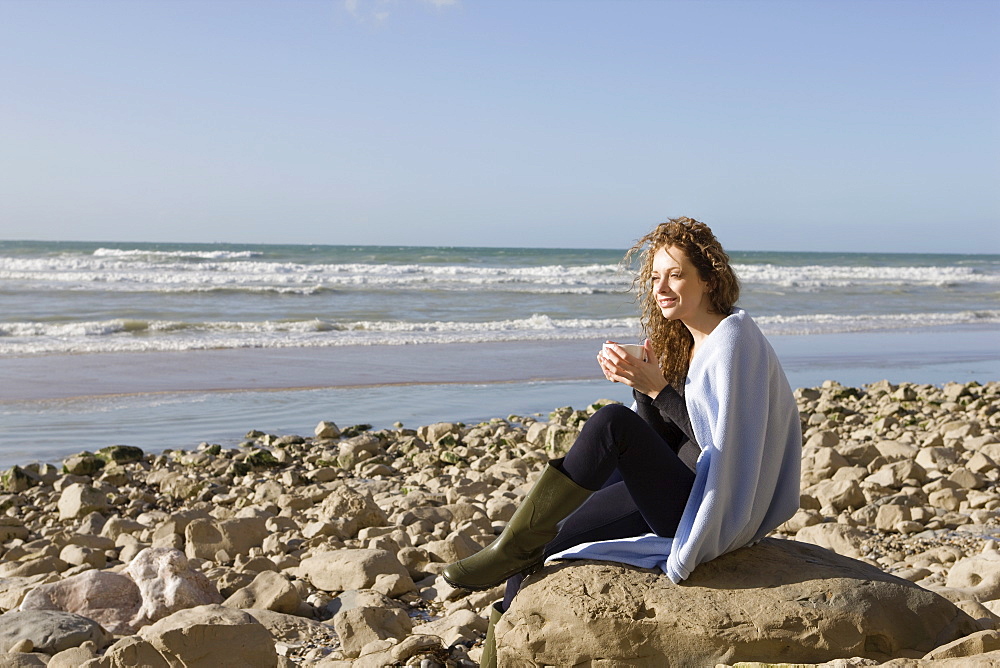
(269, 369)
(849, 358)
(47, 430)
(51, 406)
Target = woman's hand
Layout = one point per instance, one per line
(620, 367)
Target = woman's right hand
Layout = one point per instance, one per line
(621, 367)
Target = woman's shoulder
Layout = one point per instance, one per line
(737, 327)
(736, 336)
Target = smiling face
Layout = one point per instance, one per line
(677, 287)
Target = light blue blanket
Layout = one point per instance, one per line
(746, 423)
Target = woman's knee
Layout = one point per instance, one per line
(613, 415)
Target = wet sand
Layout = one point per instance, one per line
(52, 406)
(926, 356)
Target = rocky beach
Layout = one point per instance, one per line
(325, 550)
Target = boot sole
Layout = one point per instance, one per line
(533, 568)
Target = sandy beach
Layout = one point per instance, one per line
(332, 541)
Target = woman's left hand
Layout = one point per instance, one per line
(620, 367)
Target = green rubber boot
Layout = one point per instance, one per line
(489, 658)
(521, 544)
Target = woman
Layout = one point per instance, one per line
(624, 489)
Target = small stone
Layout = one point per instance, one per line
(358, 627)
(23, 646)
(78, 500)
(327, 429)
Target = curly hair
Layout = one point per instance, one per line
(670, 339)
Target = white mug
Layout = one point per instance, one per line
(633, 349)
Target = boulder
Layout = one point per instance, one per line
(205, 538)
(969, 646)
(84, 463)
(13, 590)
(35, 564)
(167, 584)
(121, 454)
(777, 601)
(177, 484)
(11, 527)
(22, 660)
(340, 570)
(836, 494)
(116, 526)
(978, 575)
(267, 591)
(841, 538)
(16, 479)
(326, 429)
(357, 627)
(78, 500)
(454, 547)
(461, 626)
(207, 635)
(73, 657)
(360, 598)
(49, 631)
(108, 598)
(351, 511)
(80, 555)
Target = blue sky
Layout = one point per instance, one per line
(786, 125)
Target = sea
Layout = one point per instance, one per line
(165, 346)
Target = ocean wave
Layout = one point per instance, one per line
(833, 324)
(203, 255)
(131, 271)
(819, 276)
(115, 275)
(140, 335)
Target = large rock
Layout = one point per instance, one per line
(978, 575)
(167, 584)
(78, 500)
(357, 627)
(108, 598)
(22, 660)
(11, 527)
(34, 564)
(13, 590)
(120, 454)
(267, 591)
(49, 631)
(340, 570)
(72, 657)
(205, 538)
(350, 511)
(778, 601)
(208, 635)
(840, 538)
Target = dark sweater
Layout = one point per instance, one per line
(668, 415)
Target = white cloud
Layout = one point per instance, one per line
(379, 11)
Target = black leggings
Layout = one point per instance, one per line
(640, 484)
